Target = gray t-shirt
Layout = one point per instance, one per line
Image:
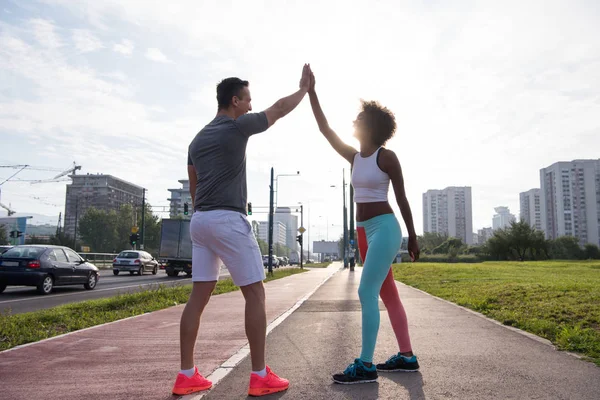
(218, 153)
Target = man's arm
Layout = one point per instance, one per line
(284, 106)
(193, 180)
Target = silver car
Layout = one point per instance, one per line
(135, 261)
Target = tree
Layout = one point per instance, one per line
(255, 229)
(61, 239)
(592, 252)
(98, 229)
(498, 245)
(264, 246)
(521, 237)
(430, 240)
(450, 246)
(565, 248)
(33, 240)
(3, 235)
(151, 230)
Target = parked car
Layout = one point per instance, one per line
(274, 262)
(135, 261)
(45, 267)
(283, 261)
(5, 248)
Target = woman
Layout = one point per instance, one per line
(379, 234)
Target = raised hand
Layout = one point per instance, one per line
(311, 88)
(305, 79)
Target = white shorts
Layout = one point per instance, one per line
(224, 235)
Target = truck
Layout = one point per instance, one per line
(175, 250)
(294, 257)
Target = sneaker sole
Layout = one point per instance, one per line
(356, 382)
(397, 370)
(265, 392)
(183, 392)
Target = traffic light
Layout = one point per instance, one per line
(15, 234)
(299, 239)
(185, 208)
(133, 238)
(249, 208)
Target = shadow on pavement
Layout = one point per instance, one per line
(412, 381)
(366, 391)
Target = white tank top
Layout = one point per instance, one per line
(370, 183)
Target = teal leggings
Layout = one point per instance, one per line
(383, 237)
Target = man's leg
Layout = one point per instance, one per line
(238, 249)
(256, 323)
(190, 321)
(205, 272)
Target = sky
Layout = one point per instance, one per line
(485, 93)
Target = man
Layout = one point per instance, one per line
(219, 228)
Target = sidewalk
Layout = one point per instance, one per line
(138, 358)
(462, 355)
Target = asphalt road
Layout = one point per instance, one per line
(21, 299)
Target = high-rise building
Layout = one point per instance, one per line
(502, 218)
(449, 211)
(531, 208)
(178, 198)
(571, 200)
(285, 216)
(103, 192)
(484, 234)
(279, 232)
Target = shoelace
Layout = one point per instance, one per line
(394, 359)
(351, 369)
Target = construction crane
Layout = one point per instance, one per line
(22, 167)
(7, 208)
(72, 170)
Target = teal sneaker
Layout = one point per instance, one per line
(356, 372)
(399, 363)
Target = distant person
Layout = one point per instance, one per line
(379, 234)
(219, 228)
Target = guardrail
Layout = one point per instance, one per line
(99, 258)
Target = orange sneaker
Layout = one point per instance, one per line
(184, 385)
(267, 385)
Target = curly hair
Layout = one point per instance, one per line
(379, 120)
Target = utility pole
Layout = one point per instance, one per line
(345, 240)
(352, 252)
(271, 217)
(76, 217)
(143, 218)
(301, 234)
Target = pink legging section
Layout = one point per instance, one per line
(390, 297)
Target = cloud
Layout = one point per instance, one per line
(45, 33)
(155, 54)
(485, 94)
(125, 47)
(85, 41)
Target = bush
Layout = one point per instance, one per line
(592, 252)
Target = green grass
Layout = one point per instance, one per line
(557, 300)
(318, 265)
(30, 327)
